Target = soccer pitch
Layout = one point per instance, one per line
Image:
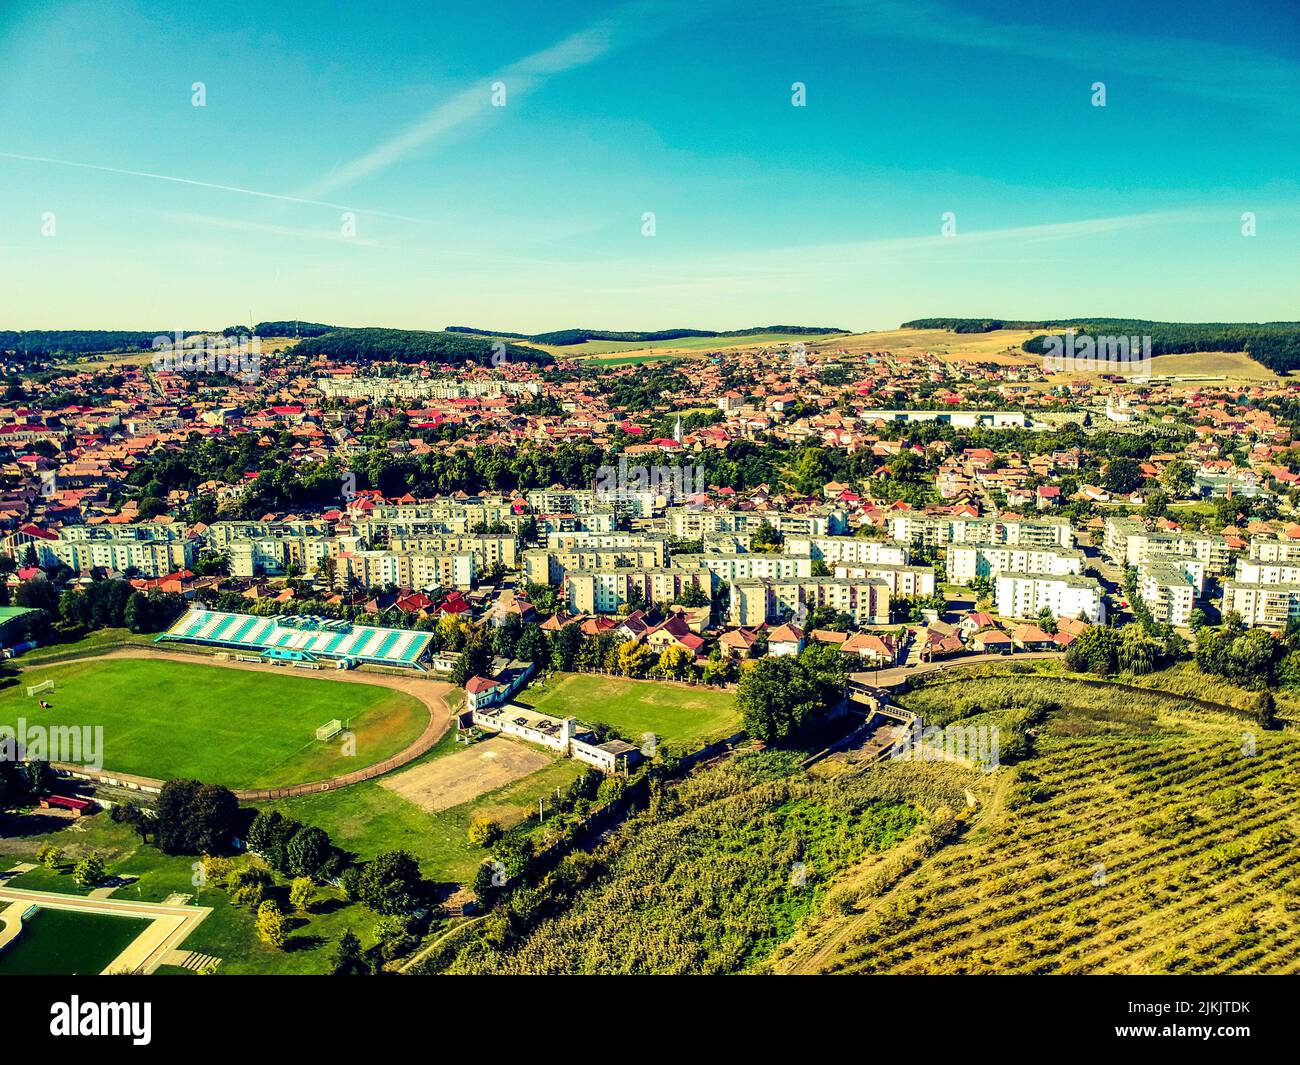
(238, 727)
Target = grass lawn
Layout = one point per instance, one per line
(228, 933)
(66, 943)
(240, 728)
(91, 644)
(679, 715)
(367, 818)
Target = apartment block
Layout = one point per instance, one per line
(379, 569)
(1168, 594)
(766, 601)
(1270, 605)
(1127, 542)
(909, 581)
(849, 549)
(747, 566)
(686, 523)
(934, 531)
(1026, 595)
(966, 562)
(594, 592)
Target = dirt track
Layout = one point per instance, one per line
(432, 693)
(457, 778)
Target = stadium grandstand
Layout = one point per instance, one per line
(302, 639)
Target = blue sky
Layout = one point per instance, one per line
(529, 216)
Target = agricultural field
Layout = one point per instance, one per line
(1120, 833)
(1137, 837)
(684, 717)
(681, 345)
(240, 727)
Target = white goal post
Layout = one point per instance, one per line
(329, 729)
(43, 686)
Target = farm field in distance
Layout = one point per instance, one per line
(237, 727)
(683, 716)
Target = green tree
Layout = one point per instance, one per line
(777, 699)
(301, 893)
(483, 831)
(270, 924)
(89, 871)
(391, 884)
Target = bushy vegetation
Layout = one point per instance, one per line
(719, 869)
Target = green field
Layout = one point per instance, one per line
(367, 818)
(66, 943)
(241, 728)
(682, 716)
(227, 933)
(612, 347)
(631, 360)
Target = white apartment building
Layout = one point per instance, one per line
(849, 549)
(1128, 542)
(378, 569)
(940, 532)
(1026, 595)
(1273, 549)
(592, 592)
(909, 581)
(151, 558)
(1270, 605)
(1167, 592)
(750, 567)
(966, 562)
(766, 601)
(1250, 571)
(688, 524)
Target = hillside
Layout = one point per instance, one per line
(412, 345)
(1275, 345)
(1139, 838)
(569, 337)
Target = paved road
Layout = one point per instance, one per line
(892, 678)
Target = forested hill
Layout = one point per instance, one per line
(1272, 344)
(565, 337)
(46, 343)
(412, 345)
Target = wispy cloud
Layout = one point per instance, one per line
(244, 225)
(629, 24)
(177, 180)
